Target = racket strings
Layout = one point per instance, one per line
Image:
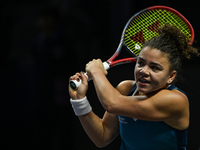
(145, 26)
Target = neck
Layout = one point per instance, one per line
(140, 93)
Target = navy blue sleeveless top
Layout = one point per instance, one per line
(150, 135)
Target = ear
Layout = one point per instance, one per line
(171, 77)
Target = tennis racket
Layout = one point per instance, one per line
(142, 27)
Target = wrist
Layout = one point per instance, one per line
(96, 72)
(81, 106)
(78, 98)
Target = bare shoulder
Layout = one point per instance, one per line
(174, 97)
(177, 105)
(125, 86)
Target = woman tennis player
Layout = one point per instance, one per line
(148, 113)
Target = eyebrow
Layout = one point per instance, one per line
(154, 63)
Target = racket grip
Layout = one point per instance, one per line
(74, 84)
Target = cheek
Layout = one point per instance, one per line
(136, 72)
(159, 79)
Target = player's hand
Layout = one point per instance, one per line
(95, 66)
(82, 89)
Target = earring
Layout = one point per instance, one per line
(169, 81)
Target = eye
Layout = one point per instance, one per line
(140, 63)
(155, 68)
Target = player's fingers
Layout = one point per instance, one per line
(78, 74)
(84, 78)
(75, 77)
(105, 71)
(99, 59)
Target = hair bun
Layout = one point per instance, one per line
(179, 40)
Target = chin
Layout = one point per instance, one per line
(143, 91)
(144, 87)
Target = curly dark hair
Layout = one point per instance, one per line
(174, 43)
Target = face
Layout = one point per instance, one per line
(152, 71)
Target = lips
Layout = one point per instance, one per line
(142, 80)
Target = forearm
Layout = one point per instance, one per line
(94, 128)
(107, 94)
(100, 131)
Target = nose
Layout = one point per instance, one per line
(144, 70)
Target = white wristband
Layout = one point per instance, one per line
(81, 106)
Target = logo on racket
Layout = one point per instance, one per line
(137, 47)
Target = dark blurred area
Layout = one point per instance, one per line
(44, 42)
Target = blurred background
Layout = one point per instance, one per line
(44, 42)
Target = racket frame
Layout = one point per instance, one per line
(111, 62)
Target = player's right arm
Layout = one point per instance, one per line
(101, 131)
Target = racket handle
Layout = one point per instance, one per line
(75, 84)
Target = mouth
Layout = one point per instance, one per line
(143, 81)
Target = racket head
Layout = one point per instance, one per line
(144, 25)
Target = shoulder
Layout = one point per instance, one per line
(176, 104)
(124, 87)
(174, 94)
(173, 97)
